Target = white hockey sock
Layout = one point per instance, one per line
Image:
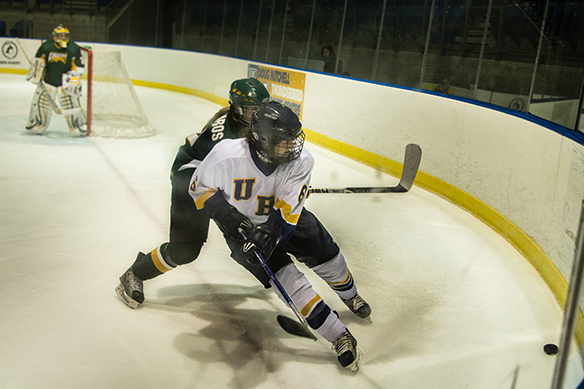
(317, 313)
(337, 275)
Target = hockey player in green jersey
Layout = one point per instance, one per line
(57, 69)
(188, 225)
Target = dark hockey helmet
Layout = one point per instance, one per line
(276, 134)
(61, 36)
(245, 97)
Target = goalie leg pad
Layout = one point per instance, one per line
(73, 113)
(40, 110)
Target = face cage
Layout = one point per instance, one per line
(62, 39)
(245, 113)
(288, 150)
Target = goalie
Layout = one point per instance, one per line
(56, 70)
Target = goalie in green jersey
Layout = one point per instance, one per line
(56, 69)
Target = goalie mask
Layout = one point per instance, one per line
(245, 97)
(276, 134)
(61, 36)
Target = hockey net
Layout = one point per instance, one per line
(112, 106)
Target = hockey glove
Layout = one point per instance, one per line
(230, 221)
(264, 239)
(36, 70)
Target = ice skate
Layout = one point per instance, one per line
(35, 127)
(348, 355)
(130, 289)
(79, 132)
(358, 306)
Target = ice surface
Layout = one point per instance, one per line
(454, 304)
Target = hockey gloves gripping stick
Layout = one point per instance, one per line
(291, 326)
(263, 239)
(410, 170)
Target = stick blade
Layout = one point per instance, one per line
(412, 160)
(295, 328)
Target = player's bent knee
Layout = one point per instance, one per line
(185, 252)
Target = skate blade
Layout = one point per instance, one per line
(354, 367)
(121, 292)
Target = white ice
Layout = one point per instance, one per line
(454, 304)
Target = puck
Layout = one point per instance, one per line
(550, 349)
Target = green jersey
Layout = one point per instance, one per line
(197, 146)
(59, 60)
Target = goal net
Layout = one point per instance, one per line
(112, 106)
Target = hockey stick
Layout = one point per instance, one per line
(291, 326)
(54, 104)
(412, 160)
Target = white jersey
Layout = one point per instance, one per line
(229, 168)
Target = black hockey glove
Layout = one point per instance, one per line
(231, 222)
(264, 239)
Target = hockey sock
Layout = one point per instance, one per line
(317, 313)
(153, 264)
(337, 275)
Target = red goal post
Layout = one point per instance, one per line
(111, 104)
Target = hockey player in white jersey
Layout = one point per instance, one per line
(258, 185)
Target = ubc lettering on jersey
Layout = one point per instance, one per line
(302, 194)
(243, 188)
(265, 205)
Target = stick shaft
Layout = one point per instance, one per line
(283, 292)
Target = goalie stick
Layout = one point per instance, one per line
(291, 326)
(412, 160)
(54, 104)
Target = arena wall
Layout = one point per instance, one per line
(520, 175)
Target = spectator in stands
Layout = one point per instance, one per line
(444, 85)
(330, 60)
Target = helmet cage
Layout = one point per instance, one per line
(244, 113)
(278, 146)
(287, 150)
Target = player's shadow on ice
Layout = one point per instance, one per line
(248, 340)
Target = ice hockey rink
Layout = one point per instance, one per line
(454, 304)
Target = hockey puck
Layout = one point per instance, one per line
(550, 349)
